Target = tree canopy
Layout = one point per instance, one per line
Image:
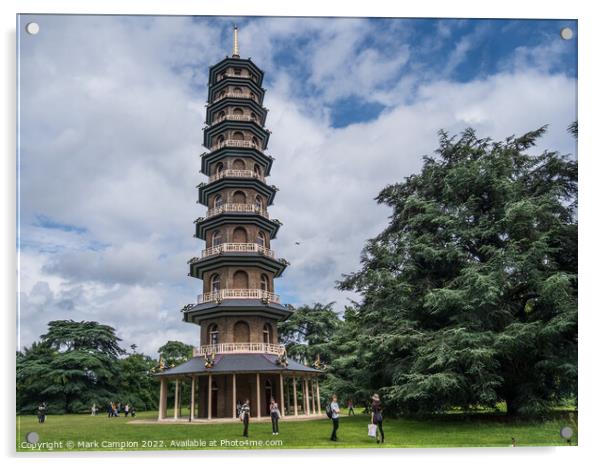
(470, 293)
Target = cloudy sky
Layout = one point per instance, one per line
(111, 112)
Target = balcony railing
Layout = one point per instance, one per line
(229, 207)
(221, 348)
(236, 174)
(238, 293)
(235, 95)
(232, 117)
(237, 247)
(234, 75)
(236, 143)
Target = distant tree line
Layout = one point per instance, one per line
(78, 364)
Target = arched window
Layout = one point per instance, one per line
(242, 332)
(221, 115)
(215, 283)
(265, 282)
(252, 95)
(254, 78)
(260, 239)
(239, 197)
(220, 140)
(253, 116)
(213, 334)
(238, 136)
(239, 235)
(241, 280)
(237, 91)
(238, 111)
(255, 141)
(258, 204)
(216, 239)
(222, 94)
(257, 171)
(267, 333)
(219, 168)
(237, 71)
(238, 164)
(218, 201)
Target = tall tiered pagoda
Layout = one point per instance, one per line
(240, 356)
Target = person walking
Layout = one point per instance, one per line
(275, 415)
(377, 417)
(350, 412)
(335, 412)
(245, 412)
(42, 413)
(93, 409)
(126, 409)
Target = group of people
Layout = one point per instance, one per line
(244, 413)
(332, 410)
(113, 409)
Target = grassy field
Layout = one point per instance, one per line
(84, 432)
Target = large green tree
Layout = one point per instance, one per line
(470, 293)
(74, 365)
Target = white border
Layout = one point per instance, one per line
(590, 256)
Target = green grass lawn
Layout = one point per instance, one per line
(451, 430)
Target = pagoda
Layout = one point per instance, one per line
(239, 355)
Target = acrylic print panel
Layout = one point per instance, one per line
(284, 233)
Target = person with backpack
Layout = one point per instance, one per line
(245, 412)
(275, 415)
(333, 411)
(377, 417)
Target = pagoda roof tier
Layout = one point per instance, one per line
(238, 363)
(262, 159)
(229, 80)
(222, 104)
(234, 62)
(205, 190)
(235, 307)
(200, 265)
(214, 130)
(239, 218)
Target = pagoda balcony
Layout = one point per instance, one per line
(237, 247)
(234, 95)
(229, 348)
(236, 143)
(238, 293)
(245, 208)
(223, 76)
(232, 117)
(231, 173)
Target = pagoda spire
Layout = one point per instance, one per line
(235, 51)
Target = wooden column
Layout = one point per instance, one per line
(192, 397)
(234, 396)
(318, 395)
(295, 395)
(163, 399)
(313, 397)
(288, 396)
(306, 384)
(282, 409)
(258, 396)
(209, 396)
(176, 399)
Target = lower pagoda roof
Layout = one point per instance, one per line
(238, 363)
(206, 189)
(202, 225)
(234, 259)
(258, 156)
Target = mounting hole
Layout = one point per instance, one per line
(566, 432)
(32, 28)
(566, 33)
(32, 437)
